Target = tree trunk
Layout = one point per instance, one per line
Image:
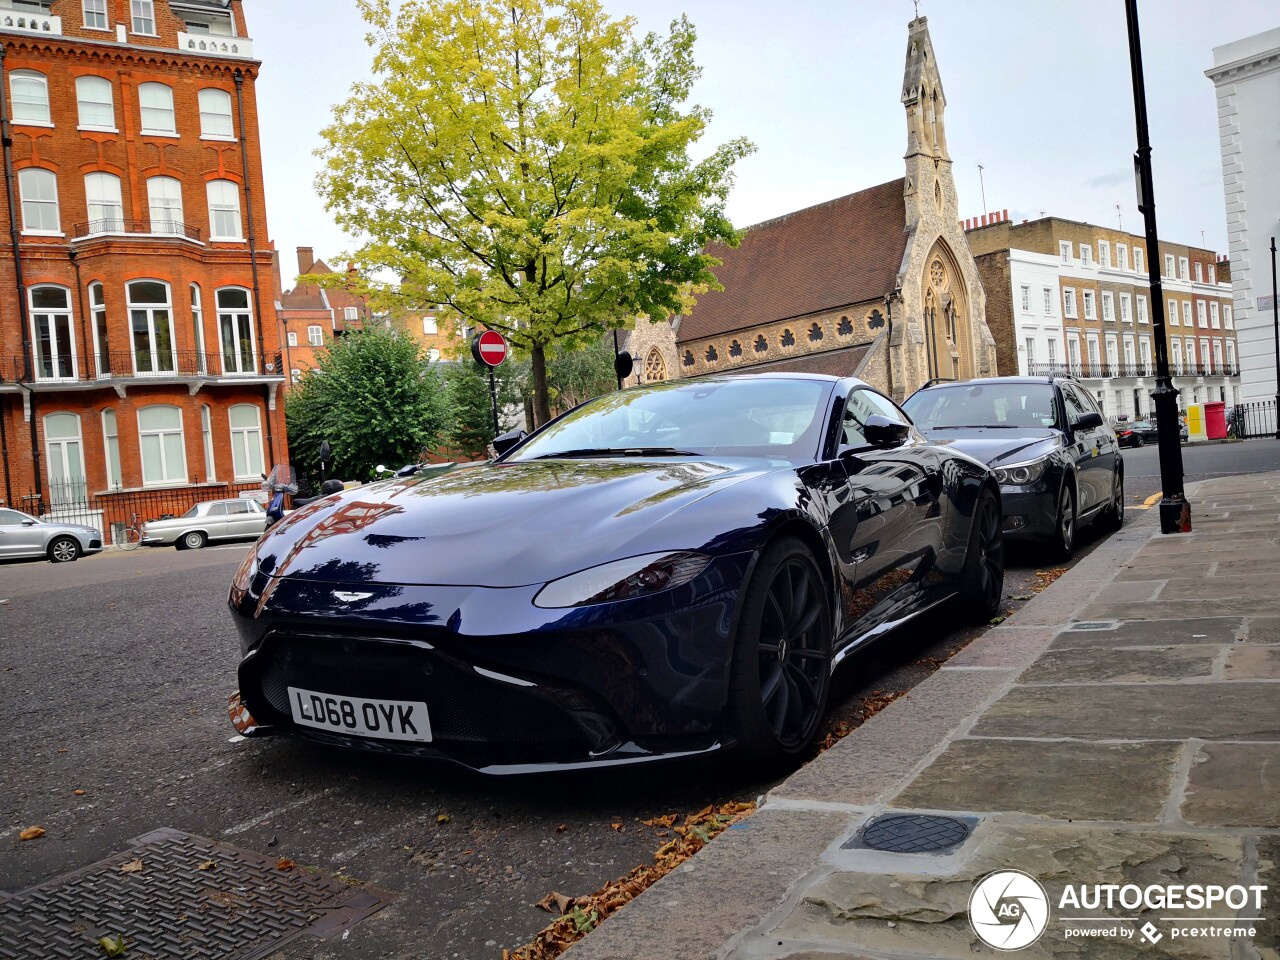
(541, 402)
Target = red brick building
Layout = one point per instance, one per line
(312, 317)
(140, 360)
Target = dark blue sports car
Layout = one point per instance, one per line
(660, 572)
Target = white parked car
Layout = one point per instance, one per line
(23, 536)
(208, 522)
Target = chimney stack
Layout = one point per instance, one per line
(306, 259)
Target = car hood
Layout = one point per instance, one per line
(503, 524)
(996, 446)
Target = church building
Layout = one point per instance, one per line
(878, 284)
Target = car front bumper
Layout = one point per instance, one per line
(508, 687)
(1030, 513)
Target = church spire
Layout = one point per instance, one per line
(923, 97)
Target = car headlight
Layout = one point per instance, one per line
(1021, 474)
(622, 579)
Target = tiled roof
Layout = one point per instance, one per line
(844, 251)
(834, 363)
(306, 296)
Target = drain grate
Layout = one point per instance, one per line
(241, 908)
(912, 833)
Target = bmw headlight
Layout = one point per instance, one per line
(622, 579)
(1021, 474)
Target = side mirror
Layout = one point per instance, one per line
(882, 431)
(505, 441)
(1088, 422)
(28, 523)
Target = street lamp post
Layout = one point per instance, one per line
(1275, 322)
(1175, 511)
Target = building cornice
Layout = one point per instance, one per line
(87, 48)
(1246, 68)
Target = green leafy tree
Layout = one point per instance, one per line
(573, 375)
(470, 407)
(528, 164)
(375, 398)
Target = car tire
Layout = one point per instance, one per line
(1063, 542)
(982, 577)
(780, 676)
(192, 540)
(1112, 518)
(1138, 441)
(64, 550)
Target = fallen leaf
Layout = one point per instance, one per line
(996, 621)
(667, 821)
(562, 828)
(31, 833)
(133, 866)
(1019, 596)
(616, 826)
(78, 793)
(443, 818)
(555, 902)
(207, 865)
(112, 945)
(283, 864)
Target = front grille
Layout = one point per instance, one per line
(463, 706)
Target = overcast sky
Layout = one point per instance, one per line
(1038, 92)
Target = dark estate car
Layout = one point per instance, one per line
(664, 571)
(1057, 460)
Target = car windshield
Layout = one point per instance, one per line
(736, 417)
(975, 404)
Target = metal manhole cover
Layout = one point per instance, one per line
(912, 833)
(1094, 625)
(240, 908)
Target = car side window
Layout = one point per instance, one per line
(238, 507)
(861, 404)
(217, 510)
(1075, 409)
(11, 518)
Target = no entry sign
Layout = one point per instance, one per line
(489, 348)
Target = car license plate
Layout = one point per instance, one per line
(385, 719)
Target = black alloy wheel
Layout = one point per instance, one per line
(1138, 440)
(782, 657)
(1113, 513)
(1064, 535)
(982, 579)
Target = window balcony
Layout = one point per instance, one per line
(144, 228)
(25, 21)
(212, 45)
(121, 365)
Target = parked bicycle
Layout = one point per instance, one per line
(131, 538)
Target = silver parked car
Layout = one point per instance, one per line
(23, 536)
(213, 520)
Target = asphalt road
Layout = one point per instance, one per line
(1200, 461)
(116, 672)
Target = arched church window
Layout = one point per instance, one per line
(712, 356)
(788, 338)
(735, 349)
(815, 333)
(761, 344)
(655, 368)
(846, 328)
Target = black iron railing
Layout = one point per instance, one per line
(1255, 419)
(122, 364)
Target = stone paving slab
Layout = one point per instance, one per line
(1153, 633)
(862, 769)
(1130, 592)
(897, 915)
(691, 913)
(1164, 571)
(1213, 588)
(1125, 782)
(1234, 785)
(1176, 608)
(1263, 630)
(1109, 665)
(1172, 711)
(1250, 662)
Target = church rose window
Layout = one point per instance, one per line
(735, 349)
(788, 338)
(712, 356)
(845, 328)
(688, 358)
(875, 321)
(761, 344)
(815, 333)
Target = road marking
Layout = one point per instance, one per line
(246, 825)
(1150, 502)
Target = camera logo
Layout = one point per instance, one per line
(1008, 910)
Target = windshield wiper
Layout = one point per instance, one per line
(585, 452)
(974, 426)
